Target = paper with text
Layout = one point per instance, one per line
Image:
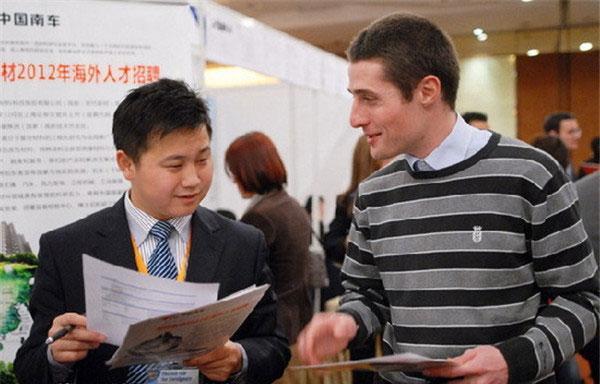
(184, 335)
(116, 297)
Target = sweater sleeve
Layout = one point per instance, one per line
(365, 298)
(566, 273)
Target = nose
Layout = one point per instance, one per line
(190, 176)
(358, 116)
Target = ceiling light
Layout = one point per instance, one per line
(586, 46)
(477, 31)
(248, 22)
(533, 52)
(526, 1)
(482, 36)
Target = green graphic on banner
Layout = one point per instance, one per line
(16, 277)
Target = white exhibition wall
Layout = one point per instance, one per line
(309, 127)
(489, 84)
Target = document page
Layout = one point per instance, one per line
(404, 362)
(188, 334)
(116, 297)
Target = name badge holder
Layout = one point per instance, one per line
(173, 373)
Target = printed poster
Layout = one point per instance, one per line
(64, 67)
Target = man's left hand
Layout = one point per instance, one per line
(219, 364)
(481, 365)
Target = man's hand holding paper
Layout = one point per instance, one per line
(220, 363)
(200, 334)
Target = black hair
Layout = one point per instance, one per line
(554, 147)
(156, 109)
(552, 122)
(470, 116)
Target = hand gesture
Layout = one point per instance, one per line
(325, 335)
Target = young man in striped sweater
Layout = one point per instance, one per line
(469, 245)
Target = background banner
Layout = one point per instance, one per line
(64, 67)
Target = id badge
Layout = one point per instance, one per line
(178, 376)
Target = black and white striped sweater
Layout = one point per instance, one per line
(472, 254)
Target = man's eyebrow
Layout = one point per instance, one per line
(362, 92)
(174, 157)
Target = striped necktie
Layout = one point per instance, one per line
(161, 264)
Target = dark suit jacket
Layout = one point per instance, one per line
(222, 251)
(286, 227)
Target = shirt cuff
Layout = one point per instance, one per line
(60, 372)
(240, 377)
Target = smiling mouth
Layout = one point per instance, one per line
(188, 197)
(372, 137)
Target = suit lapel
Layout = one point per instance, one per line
(112, 242)
(207, 247)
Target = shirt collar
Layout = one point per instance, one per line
(462, 142)
(140, 223)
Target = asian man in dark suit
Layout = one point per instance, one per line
(162, 135)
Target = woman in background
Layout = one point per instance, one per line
(255, 167)
(555, 147)
(362, 166)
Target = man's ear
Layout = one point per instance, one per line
(125, 164)
(429, 90)
(553, 133)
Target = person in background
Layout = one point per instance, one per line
(591, 165)
(555, 147)
(336, 240)
(337, 235)
(253, 163)
(456, 246)
(162, 134)
(564, 125)
(588, 190)
(476, 119)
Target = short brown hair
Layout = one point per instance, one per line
(410, 48)
(254, 162)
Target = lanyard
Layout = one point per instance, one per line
(143, 268)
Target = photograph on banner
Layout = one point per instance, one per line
(64, 69)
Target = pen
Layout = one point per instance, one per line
(60, 333)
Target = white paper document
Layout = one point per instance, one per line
(183, 335)
(160, 320)
(404, 362)
(116, 297)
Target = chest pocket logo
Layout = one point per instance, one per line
(476, 235)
